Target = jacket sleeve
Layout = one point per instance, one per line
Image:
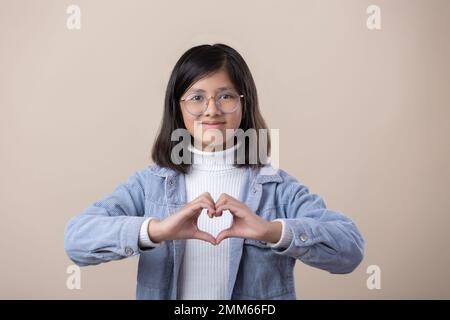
(109, 228)
(321, 238)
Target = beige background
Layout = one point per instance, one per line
(363, 118)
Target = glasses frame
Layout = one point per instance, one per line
(216, 103)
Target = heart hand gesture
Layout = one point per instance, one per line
(183, 224)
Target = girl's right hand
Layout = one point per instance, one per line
(183, 223)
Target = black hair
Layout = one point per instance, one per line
(196, 63)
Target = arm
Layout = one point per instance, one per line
(108, 229)
(319, 237)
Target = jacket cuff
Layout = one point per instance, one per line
(144, 239)
(286, 236)
(302, 237)
(129, 236)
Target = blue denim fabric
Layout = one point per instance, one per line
(109, 230)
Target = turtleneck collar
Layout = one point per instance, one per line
(213, 160)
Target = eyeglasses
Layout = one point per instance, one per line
(197, 104)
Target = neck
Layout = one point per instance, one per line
(213, 160)
(213, 147)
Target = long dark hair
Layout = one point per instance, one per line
(194, 64)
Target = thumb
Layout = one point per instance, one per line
(201, 235)
(224, 234)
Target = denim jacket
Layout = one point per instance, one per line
(109, 230)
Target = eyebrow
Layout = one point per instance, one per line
(217, 90)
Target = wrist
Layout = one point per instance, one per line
(273, 232)
(154, 231)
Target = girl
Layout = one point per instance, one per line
(218, 224)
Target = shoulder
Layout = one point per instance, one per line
(271, 173)
(286, 183)
(153, 170)
(149, 176)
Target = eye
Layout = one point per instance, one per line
(226, 96)
(195, 98)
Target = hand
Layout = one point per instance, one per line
(183, 223)
(246, 224)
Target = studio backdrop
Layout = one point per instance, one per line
(359, 91)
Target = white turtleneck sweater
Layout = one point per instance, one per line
(204, 270)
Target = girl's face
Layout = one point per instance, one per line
(213, 122)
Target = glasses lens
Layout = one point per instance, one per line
(195, 103)
(228, 101)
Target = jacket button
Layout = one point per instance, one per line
(254, 190)
(303, 237)
(128, 251)
(171, 182)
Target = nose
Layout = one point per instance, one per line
(212, 109)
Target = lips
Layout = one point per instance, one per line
(212, 124)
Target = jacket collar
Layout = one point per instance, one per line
(262, 175)
(162, 171)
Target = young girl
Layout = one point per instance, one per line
(219, 224)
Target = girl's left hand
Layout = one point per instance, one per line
(246, 224)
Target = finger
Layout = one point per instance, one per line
(210, 208)
(230, 197)
(226, 198)
(224, 234)
(197, 207)
(206, 196)
(219, 211)
(201, 235)
(222, 199)
(234, 210)
(211, 211)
